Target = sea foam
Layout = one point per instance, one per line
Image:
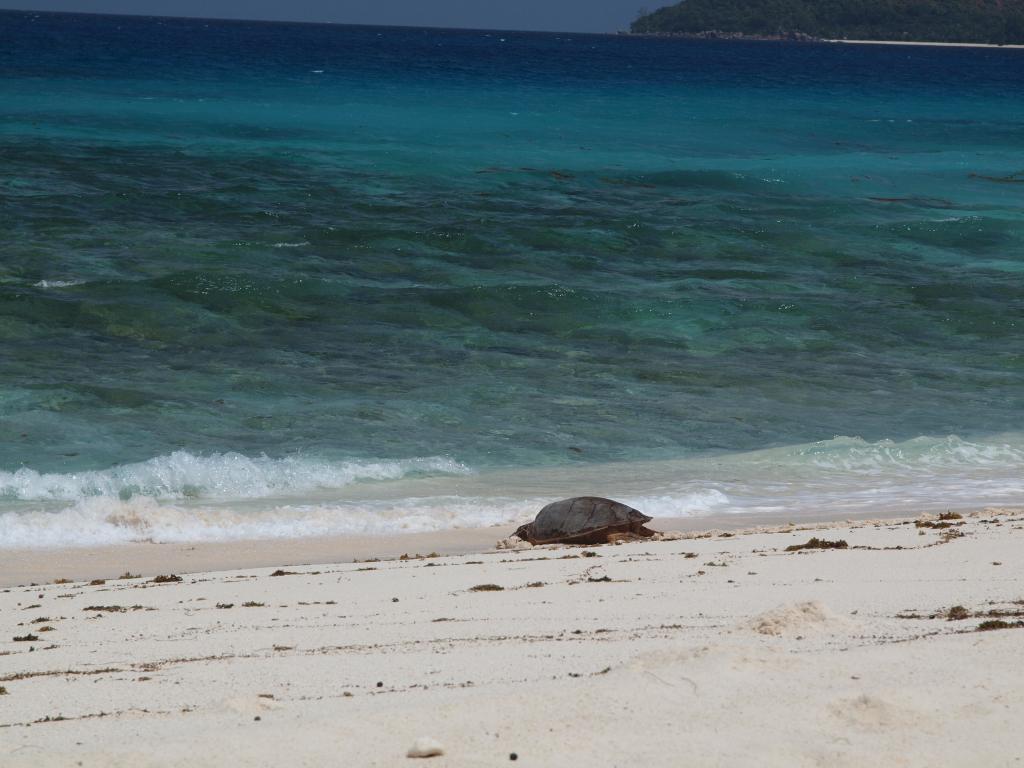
(184, 475)
(102, 520)
(58, 283)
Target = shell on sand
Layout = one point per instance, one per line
(425, 747)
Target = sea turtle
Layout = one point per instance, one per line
(584, 520)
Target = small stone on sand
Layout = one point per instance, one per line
(425, 747)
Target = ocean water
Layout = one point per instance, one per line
(282, 280)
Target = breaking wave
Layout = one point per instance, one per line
(183, 497)
(183, 475)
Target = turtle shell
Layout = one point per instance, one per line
(583, 520)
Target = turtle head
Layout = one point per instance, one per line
(525, 532)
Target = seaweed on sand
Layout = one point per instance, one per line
(172, 579)
(112, 608)
(991, 624)
(816, 543)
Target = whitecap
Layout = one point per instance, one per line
(57, 283)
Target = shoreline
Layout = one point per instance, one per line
(801, 38)
(926, 43)
(22, 566)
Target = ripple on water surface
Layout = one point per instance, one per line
(281, 251)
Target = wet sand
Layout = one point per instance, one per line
(35, 565)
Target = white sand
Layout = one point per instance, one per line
(743, 655)
(924, 42)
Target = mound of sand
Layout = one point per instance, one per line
(799, 619)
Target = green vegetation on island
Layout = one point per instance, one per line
(999, 22)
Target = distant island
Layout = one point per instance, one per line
(996, 22)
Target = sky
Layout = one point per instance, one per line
(552, 15)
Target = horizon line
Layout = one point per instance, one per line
(313, 23)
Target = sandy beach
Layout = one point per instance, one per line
(713, 648)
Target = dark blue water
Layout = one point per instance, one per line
(265, 262)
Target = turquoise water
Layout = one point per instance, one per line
(270, 279)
